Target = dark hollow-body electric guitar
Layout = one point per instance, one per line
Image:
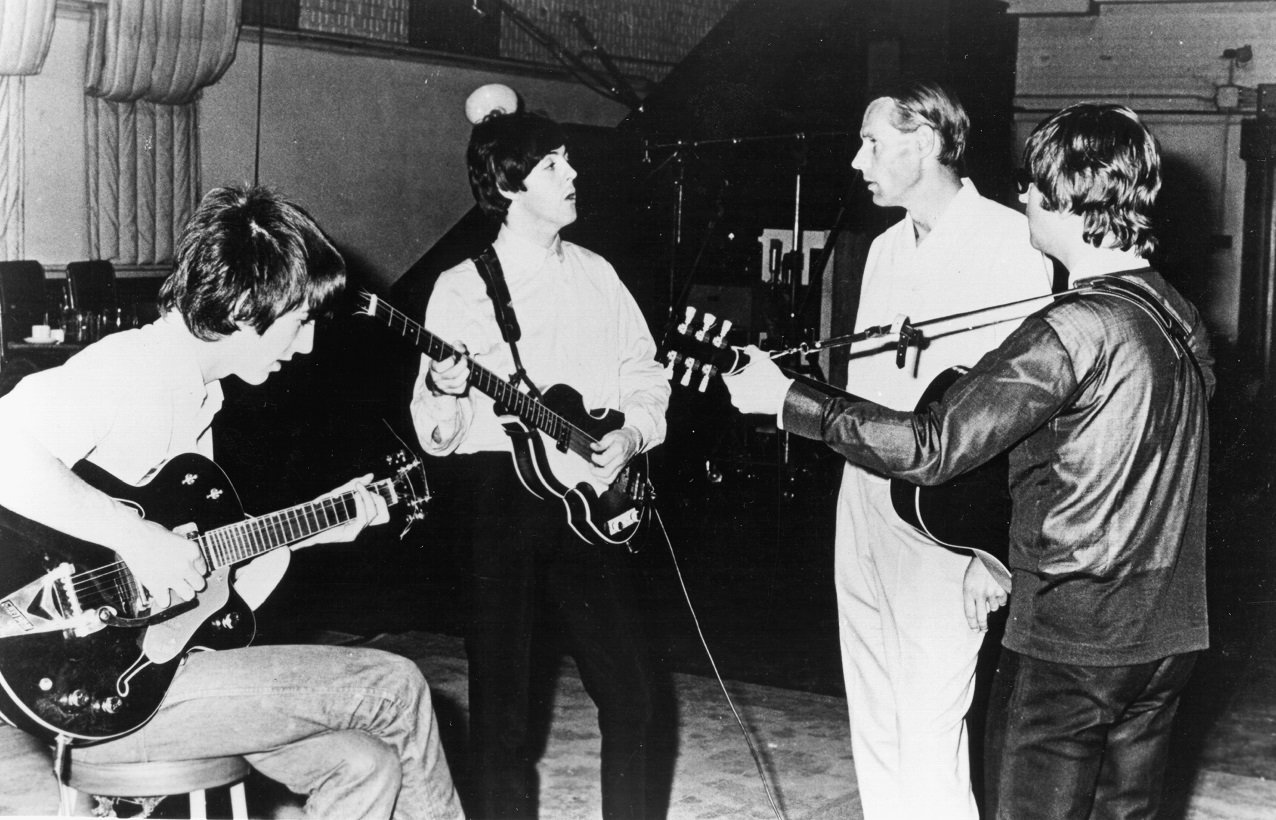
(83, 653)
(970, 512)
(600, 514)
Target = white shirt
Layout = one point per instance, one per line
(580, 327)
(128, 403)
(976, 255)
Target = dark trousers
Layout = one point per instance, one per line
(1076, 742)
(529, 568)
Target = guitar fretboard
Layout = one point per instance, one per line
(115, 585)
(242, 540)
(525, 406)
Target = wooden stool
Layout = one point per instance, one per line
(148, 783)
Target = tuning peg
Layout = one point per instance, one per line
(686, 374)
(708, 371)
(686, 321)
(705, 326)
(721, 341)
(671, 361)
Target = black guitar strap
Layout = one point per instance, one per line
(489, 267)
(1176, 333)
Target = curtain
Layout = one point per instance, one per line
(148, 61)
(26, 30)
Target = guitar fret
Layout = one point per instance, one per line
(238, 539)
(277, 529)
(312, 518)
(212, 549)
(281, 528)
(292, 525)
(221, 539)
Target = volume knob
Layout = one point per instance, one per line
(76, 699)
(109, 705)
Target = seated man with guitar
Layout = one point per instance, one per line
(116, 590)
(1101, 400)
(537, 302)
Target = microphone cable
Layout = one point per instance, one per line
(695, 619)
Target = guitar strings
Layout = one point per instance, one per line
(695, 619)
(89, 585)
(575, 433)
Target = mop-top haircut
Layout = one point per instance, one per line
(504, 148)
(248, 255)
(1099, 161)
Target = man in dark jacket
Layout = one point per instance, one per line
(1100, 399)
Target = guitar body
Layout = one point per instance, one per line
(601, 515)
(551, 436)
(970, 512)
(101, 681)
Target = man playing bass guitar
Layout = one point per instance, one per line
(351, 729)
(573, 323)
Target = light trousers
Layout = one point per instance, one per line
(351, 729)
(908, 657)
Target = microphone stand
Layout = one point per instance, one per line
(908, 332)
(784, 287)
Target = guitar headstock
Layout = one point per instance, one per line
(407, 484)
(367, 302)
(698, 348)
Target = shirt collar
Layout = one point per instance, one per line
(960, 204)
(171, 335)
(521, 256)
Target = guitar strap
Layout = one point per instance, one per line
(1175, 331)
(489, 267)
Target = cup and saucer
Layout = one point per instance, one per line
(44, 335)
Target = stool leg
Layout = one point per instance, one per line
(238, 802)
(74, 803)
(199, 810)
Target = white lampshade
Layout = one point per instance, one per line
(486, 99)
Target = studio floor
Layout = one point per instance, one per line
(742, 587)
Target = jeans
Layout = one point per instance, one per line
(1069, 741)
(351, 729)
(529, 567)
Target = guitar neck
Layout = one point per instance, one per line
(243, 540)
(525, 406)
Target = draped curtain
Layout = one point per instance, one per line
(26, 30)
(147, 62)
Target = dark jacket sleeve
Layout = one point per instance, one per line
(1011, 392)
